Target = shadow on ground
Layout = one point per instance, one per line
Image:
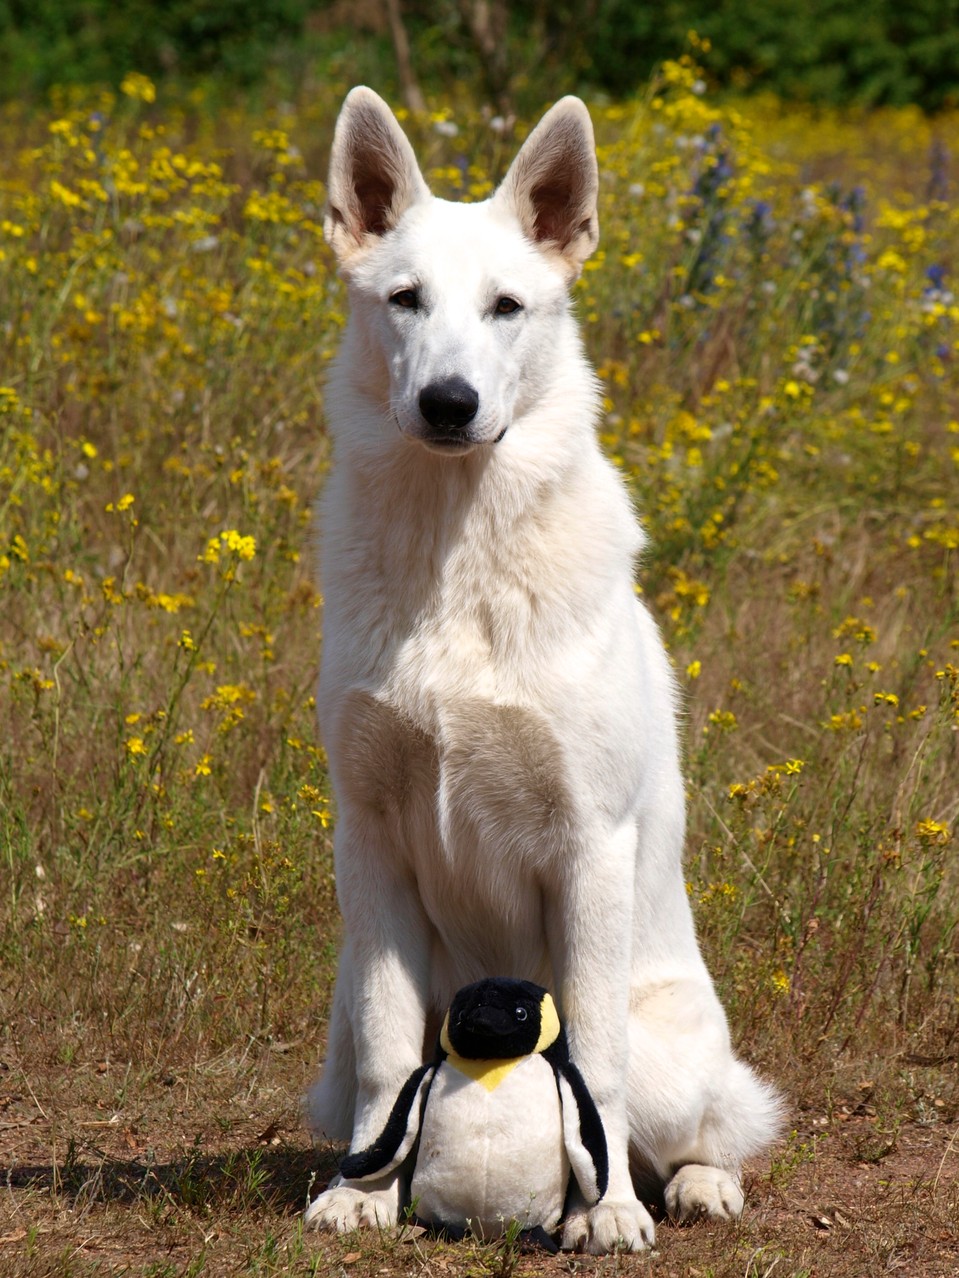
(281, 1177)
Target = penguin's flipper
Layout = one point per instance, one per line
(583, 1133)
(537, 1239)
(398, 1136)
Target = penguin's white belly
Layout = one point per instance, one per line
(489, 1157)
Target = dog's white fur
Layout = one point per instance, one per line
(497, 707)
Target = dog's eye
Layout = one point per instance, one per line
(506, 306)
(521, 1013)
(407, 298)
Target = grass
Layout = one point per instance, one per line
(772, 317)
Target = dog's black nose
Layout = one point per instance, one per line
(449, 404)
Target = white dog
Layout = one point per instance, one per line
(498, 709)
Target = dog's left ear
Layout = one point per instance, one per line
(374, 177)
(553, 184)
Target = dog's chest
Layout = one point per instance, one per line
(477, 810)
(475, 774)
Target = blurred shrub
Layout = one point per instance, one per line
(48, 42)
(872, 52)
(837, 51)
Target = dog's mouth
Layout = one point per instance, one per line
(447, 444)
(455, 443)
(445, 441)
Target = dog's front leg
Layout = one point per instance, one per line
(591, 942)
(386, 984)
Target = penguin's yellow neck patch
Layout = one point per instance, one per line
(488, 1074)
(549, 1024)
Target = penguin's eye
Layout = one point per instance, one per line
(521, 1013)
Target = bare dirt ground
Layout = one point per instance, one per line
(206, 1171)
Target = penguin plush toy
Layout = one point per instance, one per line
(494, 1125)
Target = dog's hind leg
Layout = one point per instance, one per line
(696, 1112)
(739, 1120)
(331, 1101)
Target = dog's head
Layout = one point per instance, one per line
(458, 302)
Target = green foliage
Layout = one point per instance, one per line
(825, 50)
(834, 51)
(88, 41)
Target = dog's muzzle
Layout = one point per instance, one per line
(448, 407)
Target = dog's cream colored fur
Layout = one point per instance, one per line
(497, 707)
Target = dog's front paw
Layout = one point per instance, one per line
(609, 1226)
(341, 1208)
(697, 1191)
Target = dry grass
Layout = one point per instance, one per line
(169, 1189)
(778, 347)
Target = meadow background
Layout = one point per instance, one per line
(772, 316)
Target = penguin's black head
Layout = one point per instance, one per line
(499, 1018)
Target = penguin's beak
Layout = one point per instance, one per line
(493, 1022)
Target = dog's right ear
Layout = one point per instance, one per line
(374, 177)
(553, 184)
